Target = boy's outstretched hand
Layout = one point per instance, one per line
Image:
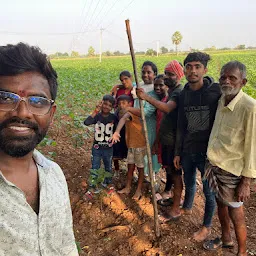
(116, 137)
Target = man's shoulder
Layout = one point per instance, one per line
(47, 164)
(248, 102)
(178, 89)
(176, 92)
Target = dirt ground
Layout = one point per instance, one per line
(115, 224)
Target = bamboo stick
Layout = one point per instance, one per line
(156, 223)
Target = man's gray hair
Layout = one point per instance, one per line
(235, 65)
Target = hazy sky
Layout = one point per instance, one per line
(65, 25)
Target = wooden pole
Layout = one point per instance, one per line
(157, 229)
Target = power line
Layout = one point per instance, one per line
(105, 14)
(92, 14)
(86, 16)
(121, 38)
(103, 5)
(119, 14)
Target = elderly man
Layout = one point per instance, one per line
(167, 133)
(35, 213)
(231, 155)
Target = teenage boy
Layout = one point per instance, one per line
(136, 143)
(105, 123)
(197, 107)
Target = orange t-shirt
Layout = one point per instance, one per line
(134, 133)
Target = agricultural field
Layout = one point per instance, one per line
(113, 224)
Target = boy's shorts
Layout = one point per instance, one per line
(136, 156)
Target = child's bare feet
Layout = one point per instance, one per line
(137, 195)
(125, 190)
(202, 234)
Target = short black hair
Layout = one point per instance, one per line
(109, 98)
(20, 58)
(160, 76)
(233, 65)
(151, 64)
(125, 73)
(198, 56)
(124, 97)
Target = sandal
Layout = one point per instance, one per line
(165, 218)
(213, 245)
(165, 202)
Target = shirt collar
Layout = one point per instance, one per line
(233, 102)
(42, 162)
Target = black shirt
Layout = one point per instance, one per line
(196, 116)
(103, 130)
(168, 126)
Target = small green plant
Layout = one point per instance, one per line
(47, 142)
(97, 177)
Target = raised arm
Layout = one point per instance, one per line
(121, 123)
(91, 118)
(164, 107)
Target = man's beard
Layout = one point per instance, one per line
(170, 83)
(228, 90)
(19, 146)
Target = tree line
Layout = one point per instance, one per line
(176, 40)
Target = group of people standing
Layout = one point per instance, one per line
(203, 126)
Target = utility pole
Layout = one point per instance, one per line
(101, 43)
(157, 47)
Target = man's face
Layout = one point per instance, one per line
(170, 79)
(159, 87)
(106, 107)
(231, 82)
(194, 71)
(147, 75)
(20, 130)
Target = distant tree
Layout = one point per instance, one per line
(151, 52)
(65, 54)
(251, 47)
(108, 53)
(118, 53)
(194, 50)
(163, 50)
(74, 54)
(171, 50)
(140, 53)
(213, 48)
(176, 39)
(91, 51)
(240, 47)
(225, 49)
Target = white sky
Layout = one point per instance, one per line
(50, 23)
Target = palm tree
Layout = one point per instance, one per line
(176, 39)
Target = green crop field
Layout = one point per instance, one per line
(84, 81)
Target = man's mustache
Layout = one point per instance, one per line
(17, 120)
